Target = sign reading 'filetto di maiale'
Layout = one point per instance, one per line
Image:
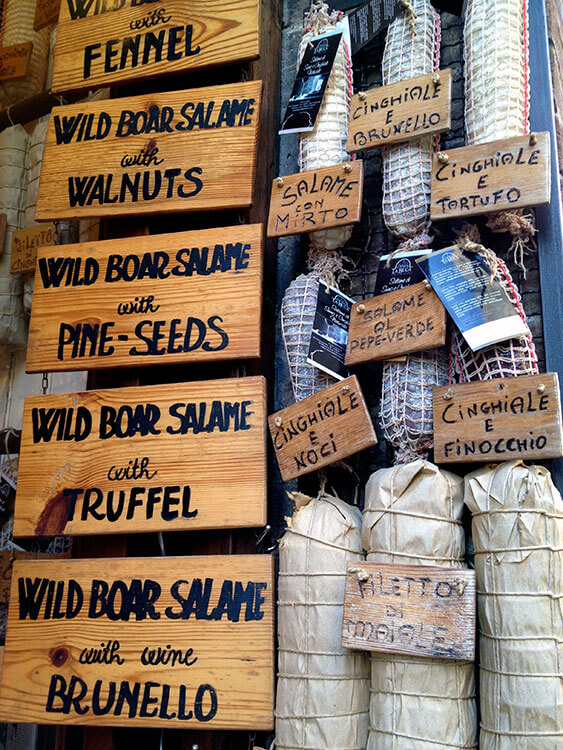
(166, 642)
(157, 458)
(151, 153)
(186, 297)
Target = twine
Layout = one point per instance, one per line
(469, 239)
(420, 241)
(328, 265)
(521, 226)
(410, 14)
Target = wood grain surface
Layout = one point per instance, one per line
(498, 420)
(318, 199)
(185, 297)
(14, 61)
(330, 425)
(46, 12)
(410, 609)
(223, 634)
(400, 112)
(7, 559)
(25, 243)
(408, 320)
(151, 154)
(506, 174)
(156, 458)
(147, 40)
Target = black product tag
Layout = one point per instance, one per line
(366, 22)
(402, 271)
(327, 347)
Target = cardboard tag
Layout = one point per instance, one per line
(156, 458)
(400, 271)
(408, 320)
(329, 425)
(25, 243)
(159, 642)
(46, 12)
(148, 300)
(327, 347)
(410, 609)
(400, 112)
(511, 173)
(370, 19)
(318, 199)
(498, 420)
(14, 61)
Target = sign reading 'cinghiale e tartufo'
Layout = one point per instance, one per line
(182, 456)
(184, 642)
(151, 153)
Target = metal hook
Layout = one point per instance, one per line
(263, 535)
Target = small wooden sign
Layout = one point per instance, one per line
(400, 112)
(319, 199)
(156, 458)
(511, 173)
(408, 320)
(330, 425)
(25, 243)
(410, 609)
(158, 642)
(14, 61)
(186, 297)
(498, 420)
(151, 154)
(47, 12)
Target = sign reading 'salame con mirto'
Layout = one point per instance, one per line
(172, 642)
(151, 154)
(104, 42)
(155, 458)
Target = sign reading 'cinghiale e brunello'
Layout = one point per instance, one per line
(167, 642)
(157, 458)
(151, 154)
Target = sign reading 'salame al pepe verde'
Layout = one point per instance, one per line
(166, 642)
(155, 458)
(151, 154)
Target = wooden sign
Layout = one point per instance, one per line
(410, 609)
(47, 12)
(330, 425)
(151, 154)
(157, 458)
(512, 173)
(14, 61)
(498, 420)
(104, 43)
(154, 642)
(408, 320)
(186, 297)
(400, 112)
(319, 199)
(25, 243)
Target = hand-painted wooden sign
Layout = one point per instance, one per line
(158, 642)
(498, 420)
(14, 61)
(151, 153)
(103, 43)
(330, 425)
(319, 199)
(157, 458)
(512, 173)
(410, 609)
(400, 112)
(186, 297)
(47, 12)
(408, 320)
(25, 243)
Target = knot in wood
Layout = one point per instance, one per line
(59, 655)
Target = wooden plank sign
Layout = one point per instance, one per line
(156, 642)
(498, 420)
(408, 320)
(25, 243)
(148, 300)
(47, 12)
(330, 425)
(410, 609)
(511, 173)
(319, 199)
(104, 43)
(400, 112)
(14, 61)
(157, 458)
(151, 153)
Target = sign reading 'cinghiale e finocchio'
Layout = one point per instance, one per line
(151, 154)
(167, 642)
(156, 458)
